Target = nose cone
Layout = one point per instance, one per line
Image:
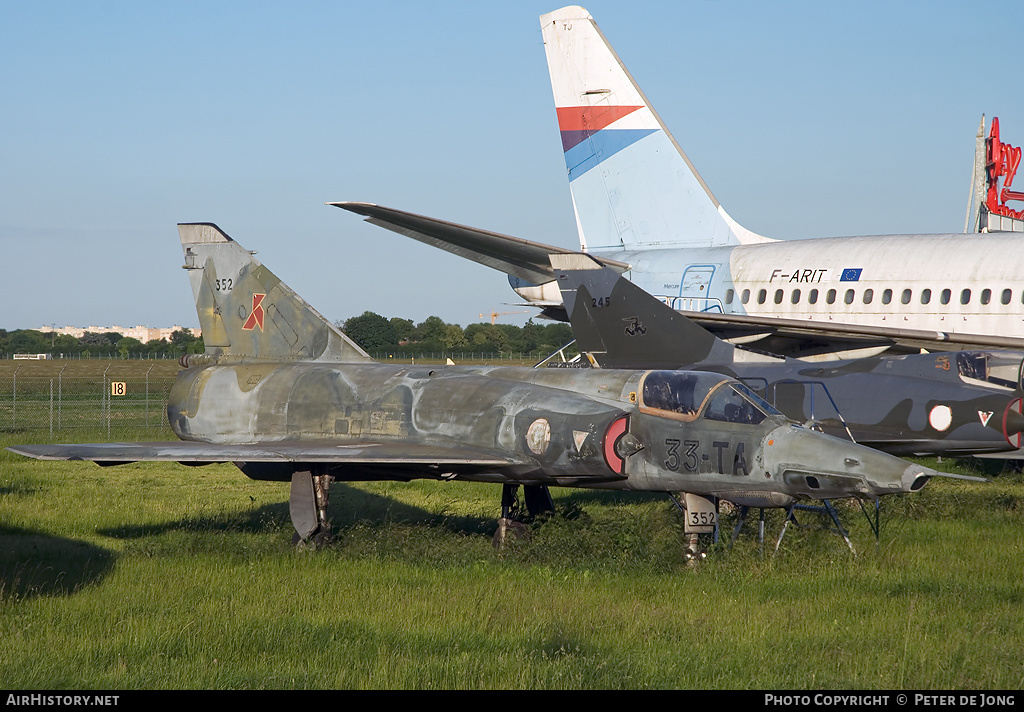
(819, 466)
(1013, 420)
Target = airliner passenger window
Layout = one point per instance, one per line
(795, 296)
(746, 296)
(831, 296)
(778, 296)
(886, 296)
(848, 298)
(762, 295)
(986, 296)
(728, 296)
(926, 296)
(965, 296)
(812, 296)
(946, 296)
(1007, 296)
(906, 296)
(869, 294)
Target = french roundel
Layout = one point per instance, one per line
(612, 435)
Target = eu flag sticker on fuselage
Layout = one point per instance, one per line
(851, 275)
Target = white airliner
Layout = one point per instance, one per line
(642, 208)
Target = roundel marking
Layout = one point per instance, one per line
(538, 436)
(941, 417)
(1015, 407)
(612, 435)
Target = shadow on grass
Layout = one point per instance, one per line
(581, 497)
(370, 524)
(348, 507)
(33, 563)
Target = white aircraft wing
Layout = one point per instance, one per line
(512, 255)
(529, 261)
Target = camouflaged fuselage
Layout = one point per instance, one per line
(904, 405)
(570, 427)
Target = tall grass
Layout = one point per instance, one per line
(159, 576)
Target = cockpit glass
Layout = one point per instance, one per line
(757, 400)
(676, 392)
(1000, 369)
(683, 393)
(729, 406)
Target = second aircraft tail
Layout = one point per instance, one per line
(632, 185)
(619, 325)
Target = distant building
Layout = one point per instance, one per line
(142, 333)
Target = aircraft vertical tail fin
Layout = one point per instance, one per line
(622, 326)
(632, 185)
(245, 311)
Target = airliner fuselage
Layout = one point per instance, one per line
(949, 283)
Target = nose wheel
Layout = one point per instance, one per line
(700, 516)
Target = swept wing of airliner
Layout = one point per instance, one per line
(642, 208)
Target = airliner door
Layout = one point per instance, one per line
(694, 289)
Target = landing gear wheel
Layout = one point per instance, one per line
(307, 505)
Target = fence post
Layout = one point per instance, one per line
(14, 399)
(147, 394)
(60, 396)
(106, 399)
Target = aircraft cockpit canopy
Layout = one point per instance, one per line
(999, 368)
(685, 395)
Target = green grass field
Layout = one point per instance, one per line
(89, 368)
(161, 576)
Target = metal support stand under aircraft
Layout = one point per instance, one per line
(825, 508)
(307, 505)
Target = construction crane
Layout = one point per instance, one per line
(494, 315)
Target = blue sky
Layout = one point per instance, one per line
(119, 120)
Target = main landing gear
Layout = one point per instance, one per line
(307, 505)
(513, 522)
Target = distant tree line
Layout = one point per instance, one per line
(377, 334)
(373, 332)
(29, 341)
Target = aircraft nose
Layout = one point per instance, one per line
(812, 464)
(1013, 419)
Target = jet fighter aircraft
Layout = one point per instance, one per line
(949, 403)
(286, 396)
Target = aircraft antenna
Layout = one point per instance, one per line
(971, 221)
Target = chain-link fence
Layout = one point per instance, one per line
(117, 407)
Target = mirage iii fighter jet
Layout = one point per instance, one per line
(286, 396)
(949, 403)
